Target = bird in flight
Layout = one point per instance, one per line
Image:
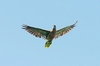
(48, 35)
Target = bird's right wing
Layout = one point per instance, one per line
(64, 30)
(36, 31)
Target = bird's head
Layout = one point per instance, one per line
(54, 27)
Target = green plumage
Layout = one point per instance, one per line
(47, 44)
(48, 35)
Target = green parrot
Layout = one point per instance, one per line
(48, 35)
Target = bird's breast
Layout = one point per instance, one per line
(51, 35)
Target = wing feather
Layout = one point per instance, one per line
(64, 30)
(37, 32)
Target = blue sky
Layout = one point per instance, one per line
(79, 47)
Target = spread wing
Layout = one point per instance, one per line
(64, 30)
(36, 31)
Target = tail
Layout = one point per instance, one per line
(47, 44)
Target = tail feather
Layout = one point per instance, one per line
(47, 44)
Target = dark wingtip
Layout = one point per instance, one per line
(75, 22)
(24, 26)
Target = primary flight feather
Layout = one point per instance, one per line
(48, 35)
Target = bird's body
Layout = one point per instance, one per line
(52, 33)
(48, 35)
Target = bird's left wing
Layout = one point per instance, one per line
(64, 30)
(36, 31)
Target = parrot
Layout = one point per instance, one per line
(48, 35)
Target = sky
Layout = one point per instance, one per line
(79, 47)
